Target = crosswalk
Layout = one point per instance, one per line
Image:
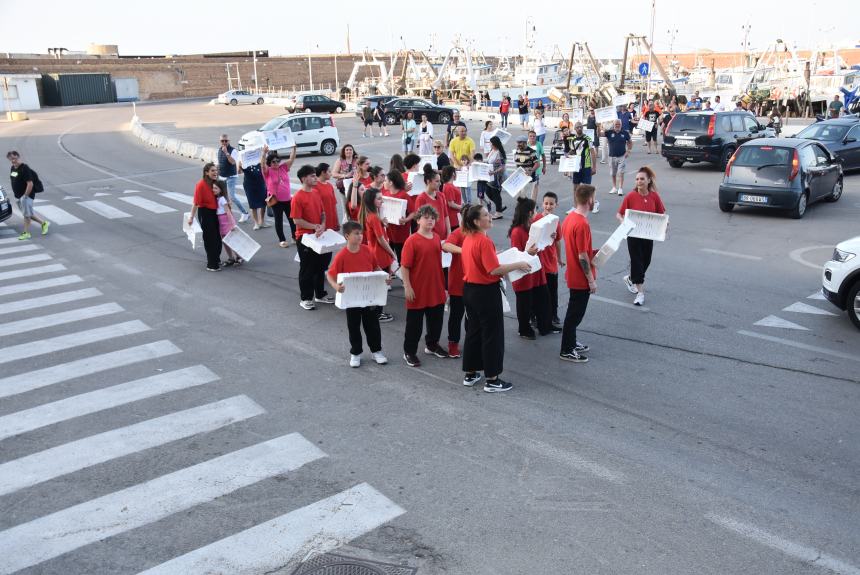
(49, 323)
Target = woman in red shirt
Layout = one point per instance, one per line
(433, 196)
(398, 232)
(531, 291)
(205, 207)
(360, 182)
(453, 196)
(504, 110)
(453, 245)
(643, 198)
(374, 230)
(484, 346)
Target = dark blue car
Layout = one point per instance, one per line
(841, 136)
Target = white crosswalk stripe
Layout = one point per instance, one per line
(11, 241)
(147, 205)
(55, 319)
(77, 455)
(47, 300)
(36, 541)
(25, 247)
(181, 198)
(104, 210)
(59, 216)
(41, 284)
(24, 260)
(29, 272)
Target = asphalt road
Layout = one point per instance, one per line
(694, 441)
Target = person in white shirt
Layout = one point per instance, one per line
(718, 105)
(539, 126)
(484, 140)
(425, 136)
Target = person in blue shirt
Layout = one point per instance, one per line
(626, 119)
(695, 102)
(620, 146)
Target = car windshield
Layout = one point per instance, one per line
(824, 132)
(761, 156)
(690, 123)
(271, 125)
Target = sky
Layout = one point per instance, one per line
(170, 27)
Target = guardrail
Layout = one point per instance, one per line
(175, 146)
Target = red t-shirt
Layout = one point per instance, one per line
(479, 259)
(455, 271)
(549, 255)
(576, 233)
(441, 205)
(326, 194)
(396, 233)
(346, 262)
(519, 238)
(504, 107)
(453, 194)
(373, 231)
(307, 206)
(204, 197)
(423, 258)
(650, 202)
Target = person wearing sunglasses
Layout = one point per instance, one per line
(228, 159)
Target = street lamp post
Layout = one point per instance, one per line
(256, 85)
(310, 68)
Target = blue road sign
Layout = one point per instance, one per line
(643, 69)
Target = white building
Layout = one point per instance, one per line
(19, 92)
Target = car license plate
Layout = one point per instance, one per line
(687, 143)
(749, 198)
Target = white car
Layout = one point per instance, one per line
(236, 97)
(313, 133)
(841, 278)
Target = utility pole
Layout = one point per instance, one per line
(310, 68)
(256, 85)
(746, 43)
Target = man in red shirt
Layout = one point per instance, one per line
(309, 216)
(581, 275)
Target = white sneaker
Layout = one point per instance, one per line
(596, 207)
(379, 358)
(640, 299)
(631, 287)
(619, 191)
(244, 218)
(256, 226)
(612, 191)
(308, 304)
(354, 360)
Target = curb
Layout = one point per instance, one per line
(174, 146)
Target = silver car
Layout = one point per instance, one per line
(236, 97)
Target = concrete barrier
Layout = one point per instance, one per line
(172, 145)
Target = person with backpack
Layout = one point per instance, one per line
(25, 186)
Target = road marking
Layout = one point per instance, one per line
(44, 301)
(817, 295)
(4, 231)
(59, 216)
(28, 272)
(23, 382)
(127, 269)
(321, 526)
(41, 284)
(731, 254)
(50, 536)
(132, 192)
(172, 289)
(34, 323)
(566, 457)
(798, 551)
(797, 255)
(104, 210)
(148, 205)
(23, 247)
(13, 241)
(70, 340)
(101, 194)
(76, 455)
(774, 321)
(798, 345)
(801, 307)
(231, 316)
(182, 198)
(24, 260)
(620, 303)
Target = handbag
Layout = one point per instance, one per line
(271, 200)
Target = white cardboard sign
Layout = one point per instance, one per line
(613, 243)
(418, 185)
(446, 259)
(194, 231)
(605, 115)
(577, 115)
(503, 135)
(429, 159)
(241, 243)
(329, 241)
(462, 179)
(648, 225)
(514, 255)
(516, 182)
(569, 164)
(251, 157)
(540, 232)
(392, 209)
(362, 289)
(279, 139)
(645, 125)
(480, 172)
(590, 134)
(622, 99)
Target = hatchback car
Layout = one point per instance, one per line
(841, 278)
(5, 205)
(373, 102)
(313, 133)
(236, 97)
(315, 103)
(396, 110)
(839, 135)
(780, 173)
(709, 136)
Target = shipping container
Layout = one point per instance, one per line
(77, 89)
(126, 89)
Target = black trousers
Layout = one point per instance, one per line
(208, 219)
(552, 286)
(356, 317)
(415, 319)
(575, 312)
(456, 311)
(495, 195)
(280, 210)
(312, 268)
(504, 119)
(398, 250)
(640, 258)
(484, 346)
(533, 302)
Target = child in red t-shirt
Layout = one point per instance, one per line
(434, 197)
(424, 285)
(375, 237)
(549, 255)
(356, 257)
(399, 231)
(453, 196)
(456, 308)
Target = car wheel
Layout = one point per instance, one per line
(725, 157)
(837, 191)
(259, 101)
(328, 148)
(800, 209)
(852, 304)
(444, 118)
(390, 119)
(676, 163)
(726, 207)
(338, 110)
(234, 102)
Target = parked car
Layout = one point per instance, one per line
(709, 136)
(236, 97)
(396, 109)
(841, 279)
(780, 173)
(5, 205)
(374, 101)
(313, 133)
(841, 136)
(315, 103)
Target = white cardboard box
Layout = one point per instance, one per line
(516, 182)
(330, 241)
(540, 232)
(569, 165)
(392, 209)
(417, 181)
(513, 255)
(194, 231)
(480, 171)
(241, 243)
(429, 159)
(613, 243)
(648, 226)
(362, 289)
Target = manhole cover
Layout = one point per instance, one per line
(340, 565)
